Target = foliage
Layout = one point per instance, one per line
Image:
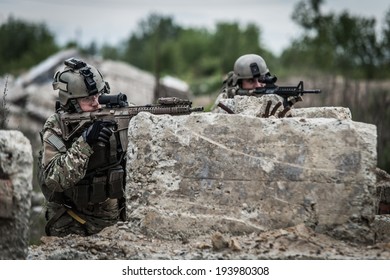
(342, 44)
(23, 45)
(162, 47)
(149, 47)
(110, 52)
(385, 46)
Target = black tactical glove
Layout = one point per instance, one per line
(282, 114)
(97, 132)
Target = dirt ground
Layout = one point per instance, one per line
(122, 242)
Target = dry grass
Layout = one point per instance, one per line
(4, 110)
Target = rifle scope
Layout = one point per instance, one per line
(118, 100)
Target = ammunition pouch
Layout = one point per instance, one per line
(98, 192)
(98, 188)
(116, 177)
(78, 195)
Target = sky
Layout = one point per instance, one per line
(113, 21)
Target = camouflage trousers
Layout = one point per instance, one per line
(62, 221)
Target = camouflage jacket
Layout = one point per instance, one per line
(63, 166)
(224, 93)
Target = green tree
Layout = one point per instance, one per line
(192, 59)
(231, 41)
(145, 48)
(339, 44)
(151, 47)
(24, 45)
(110, 52)
(385, 46)
(356, 46)
(315, 49)
(199, 56)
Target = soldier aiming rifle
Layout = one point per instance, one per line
(251, 77)
(82, 162)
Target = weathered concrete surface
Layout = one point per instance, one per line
(340, 113)
(16, 165)
(382, 228)
(236, 174)
(256, 106)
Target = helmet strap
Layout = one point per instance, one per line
(72, 106)
(76, 105)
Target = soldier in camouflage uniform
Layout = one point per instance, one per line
(246, 74)
(83, 188)
(250, 71)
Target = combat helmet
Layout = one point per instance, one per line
(78, 79)
(249, 66)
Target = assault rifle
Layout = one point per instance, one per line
(117, 112)
(283, 91)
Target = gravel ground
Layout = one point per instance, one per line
(123, 242)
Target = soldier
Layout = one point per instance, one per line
(83, 177)
(250, 71)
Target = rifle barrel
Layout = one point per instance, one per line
(315, 91)
(282, 91)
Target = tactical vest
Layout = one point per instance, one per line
(104, 178)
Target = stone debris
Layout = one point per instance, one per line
(298, 242)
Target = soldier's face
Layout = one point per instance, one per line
(251, 84)
(90, 103)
